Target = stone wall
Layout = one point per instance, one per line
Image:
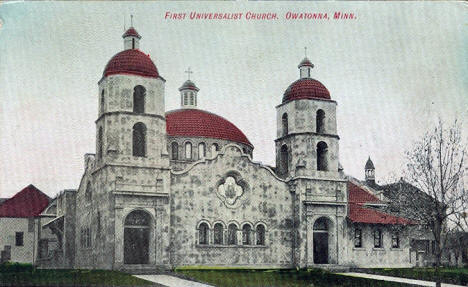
(263, 198)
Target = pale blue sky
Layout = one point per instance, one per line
(393, 71)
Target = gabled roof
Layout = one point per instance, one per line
(357, 197)
(357, 194)
(359, 214)
(29, 202)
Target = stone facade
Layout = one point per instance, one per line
(139, 207)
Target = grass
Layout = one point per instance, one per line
(26, 275)
(450, 275)
(279, 278)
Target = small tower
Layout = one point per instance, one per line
(307, 139)
(370, 172)
(188, 93)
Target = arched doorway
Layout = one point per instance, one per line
(137, 237)
(321, 241)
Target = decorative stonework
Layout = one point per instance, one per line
(230, 192)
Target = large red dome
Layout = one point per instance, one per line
(306, 88)
(199, 123)
(131, 62)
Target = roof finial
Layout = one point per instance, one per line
(305, 51)
(189, 72)
(131, 20)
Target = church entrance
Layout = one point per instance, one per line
(137, 237)
(321, 241)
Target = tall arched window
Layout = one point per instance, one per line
(175, 150)
(320, 121)
(260, 234)
(99, 151)
(201, 150)
(188, 150)
(139, 139)
(102, 101)
(284, 121)
(88, 192)
(322, 156)
(139, 99)
(214, 148)
(246, 234)
(284, 159)
(218, 234)
(232, 234)
(203, 233)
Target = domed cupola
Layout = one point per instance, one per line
(188, 93)
(131, 61)
(306, 87)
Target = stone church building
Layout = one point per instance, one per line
(174, 188)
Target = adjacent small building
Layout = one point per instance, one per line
(19, 225)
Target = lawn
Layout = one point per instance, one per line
(451, 275)
(257, 278)
(24, 275)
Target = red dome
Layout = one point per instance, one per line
(131, 62)
(306, 88)
(199, 123)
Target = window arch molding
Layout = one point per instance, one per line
(139, 139)
(322, 156)
(218, 233)
(284, 124)
(247, 233)
(186, 153)
(139, 99)
(174, 150)
(203, 221)
(260, 233)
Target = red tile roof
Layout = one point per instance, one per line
(357, 197)
(306, 88)
(131, 62)
(356, 194)
(199, 123)
(29, 202)
(131, 32)
(358, 213)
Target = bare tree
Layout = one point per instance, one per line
(435, 169)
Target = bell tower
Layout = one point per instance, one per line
(307, 140)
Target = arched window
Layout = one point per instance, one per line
(191, 99)
(284, 159)
(203, 233)
(322, 154)
(102, 101)
(232, 234)
(188, 150)
(139, 139)
(201, 150)
(246, 234)
(320, 121)
(139, 99)
(218, 234)
(214, 148)
(175, 150)
(88, 192)
(260, 234)
(284, 120)
(99, 151)
(185, 98)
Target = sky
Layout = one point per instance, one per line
(394, 70)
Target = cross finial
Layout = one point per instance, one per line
(305, 52)
(189, 72)
(131, 20)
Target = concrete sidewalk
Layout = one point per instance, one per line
(396, 279)
(171, 281)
